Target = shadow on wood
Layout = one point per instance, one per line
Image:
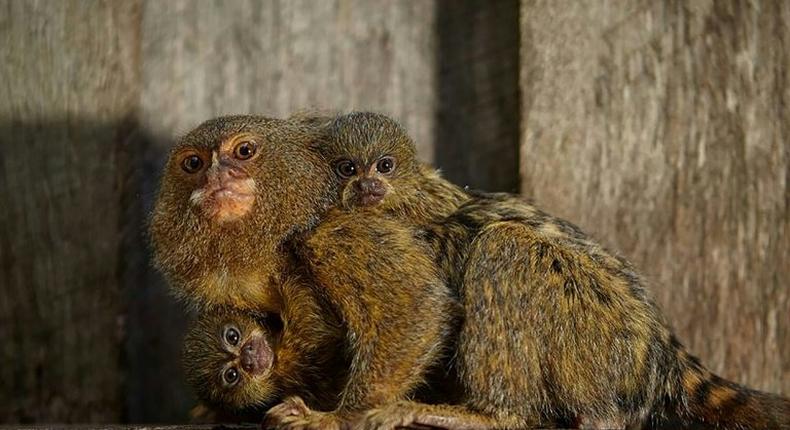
(478, 112)
(87, 326)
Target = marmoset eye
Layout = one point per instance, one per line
(385, 165)
(345, 168)
(244, 150)
(232, 336)
(231, 376)
(192, 164)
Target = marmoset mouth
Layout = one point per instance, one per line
(226, 201)
(369, 199)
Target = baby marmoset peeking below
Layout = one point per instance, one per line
(240, 363)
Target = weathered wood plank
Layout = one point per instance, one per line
(275, 57)
(478, 108)
(68, 73)
(663, 128)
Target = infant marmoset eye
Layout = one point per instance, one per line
(244, 150)
(232, 336)
(385, 165)
(192, 164)
(231, 376)
(345, 168)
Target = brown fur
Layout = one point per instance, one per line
(234, 256)
(307, 344)
(556, 327)
(385, 362)
(384, 285)
(238, 264)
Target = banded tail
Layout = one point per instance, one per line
(715, 402)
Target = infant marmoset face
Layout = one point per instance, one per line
(373, 157)
(228, 359)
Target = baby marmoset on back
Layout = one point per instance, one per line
(555, 327)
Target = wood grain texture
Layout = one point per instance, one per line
(478, 106)
(663, 128)
(275, 57)
(66, 102)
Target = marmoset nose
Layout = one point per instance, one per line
(256, 356)
(249, 359)
(224, 172)
(371, 186)
(229, 172)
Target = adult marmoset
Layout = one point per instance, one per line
(243, 206)
(232, 192)
(555, 326)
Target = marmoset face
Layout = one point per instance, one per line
(373, 158)
(228, 359)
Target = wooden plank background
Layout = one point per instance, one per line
(67, 100)
(660, 127)
(477, 114)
